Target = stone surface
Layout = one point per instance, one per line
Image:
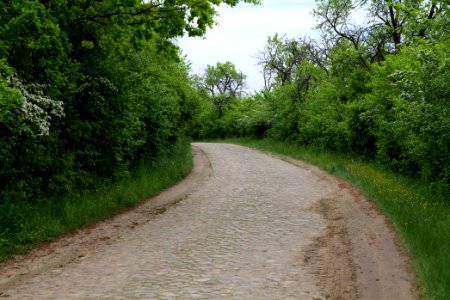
(242, 234)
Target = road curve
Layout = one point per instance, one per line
(258, 228)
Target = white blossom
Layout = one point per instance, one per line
(407, 84)
(36, 107)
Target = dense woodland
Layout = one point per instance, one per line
(378, 90)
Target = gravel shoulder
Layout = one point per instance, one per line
(243, 225)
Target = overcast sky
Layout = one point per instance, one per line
(243, 31)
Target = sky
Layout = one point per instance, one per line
(242, 32)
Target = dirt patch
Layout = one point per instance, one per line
(329, 257)
(77, 244)
(359, 255)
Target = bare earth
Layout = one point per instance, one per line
(242, 225)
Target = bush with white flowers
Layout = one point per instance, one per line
(36, 107)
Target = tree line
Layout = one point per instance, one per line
(90, 89)
(378, 88)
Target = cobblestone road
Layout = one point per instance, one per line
(240, 235)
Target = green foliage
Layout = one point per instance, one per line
(413, 127)
(220, 91)
(90, 87)
(294, 62)
(11, 100)
(24, 120)
(223, 84)
(323, 123)
(388, 24)
(33, 42)
(206, 121)
(11, 124)
(395, 112)
(26, 224)
(283, 124)
(254, 116)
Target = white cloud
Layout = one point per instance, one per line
(243, 31)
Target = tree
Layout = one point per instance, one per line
(388, 23)
(279, 59)
(291, 62)
(335, 21)
(222, 83)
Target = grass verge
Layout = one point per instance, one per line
(420, 213)
(24, 225)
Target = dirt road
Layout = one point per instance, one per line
(249, 226)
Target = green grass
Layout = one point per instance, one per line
(23, 225)
(419, 212)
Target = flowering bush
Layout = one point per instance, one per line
(36, 108)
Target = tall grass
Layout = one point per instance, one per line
(419, 211)
(23, 225)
